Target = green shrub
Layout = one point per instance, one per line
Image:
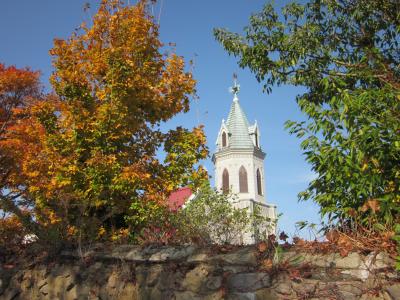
(210, 218)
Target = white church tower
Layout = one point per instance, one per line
(239, 166)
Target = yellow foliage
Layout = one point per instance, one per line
(89, 151)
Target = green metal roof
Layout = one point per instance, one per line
(238, 127)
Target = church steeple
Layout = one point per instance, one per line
(239, 164)
(239, 158)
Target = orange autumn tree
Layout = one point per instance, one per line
(96, 164)
(19, 88)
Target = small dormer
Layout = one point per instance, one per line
(223, 136)
(255, 135)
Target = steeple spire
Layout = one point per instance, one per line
(237, 123)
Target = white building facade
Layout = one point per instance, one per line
(239, 168)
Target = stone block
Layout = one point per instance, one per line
(284, 287)
(317, 260)
(126, 248)
(306, 287)
(266, 294)
(186, 295)
(58, 286)
(351, 261)
(42, 283)
(129, 291)
(361, 274)
(294, 258)
(124, 252)
(248, 281)
(368, 296)
(78, 292)
(350, 287)
(11, 294)
(26, 284)
(153, 275)
(170, 280)
(196, 280)
(113, 280)
(386, 296)
(96, 266)
(134, 255)
(378, 261)
(393, 291)
(169, 253)
(45, 289)
(246, 256)
(162, 255)
(151, 249)
(322, 261)
(237, 269)
(347, 295)
(214, 283)
(198, 257)
(241, 296)
(140, 275)
(182, 253)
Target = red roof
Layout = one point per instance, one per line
(179, 197)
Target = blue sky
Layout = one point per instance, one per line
(27, 29)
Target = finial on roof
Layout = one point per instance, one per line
(235, 88)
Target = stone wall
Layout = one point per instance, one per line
(130, 272)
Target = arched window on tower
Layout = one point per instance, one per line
(259, 188)
(225, 181)
(224, 139)
(243, 187)
(256, 138)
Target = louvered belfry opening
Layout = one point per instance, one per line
(243, 186)
(259, 188)
(223, 139)
(225, 181)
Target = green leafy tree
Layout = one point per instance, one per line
(346, 54)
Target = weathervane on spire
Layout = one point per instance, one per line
(236, 87)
